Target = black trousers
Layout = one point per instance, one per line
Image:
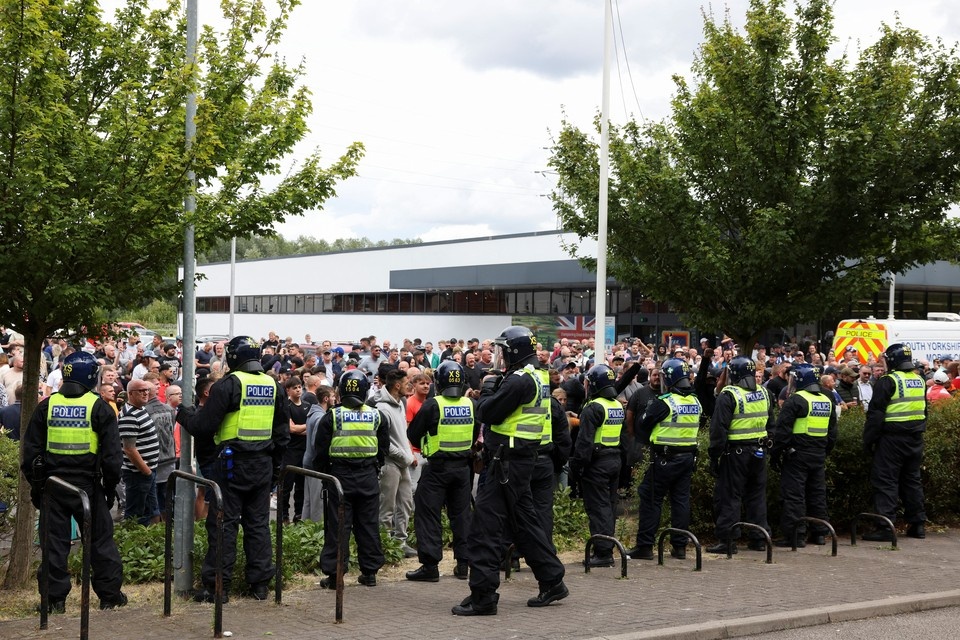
(896, 473)
(505, 502)
(361, 512)
(443, 483)
(742, 483)
(600, 481)
(106, 569)
(665, 475)
(292, 483)
(246, 503)
(803, 489)
(543, 483)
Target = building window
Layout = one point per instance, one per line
(581, 302)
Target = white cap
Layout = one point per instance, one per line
(941, 377)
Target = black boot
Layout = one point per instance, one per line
(485, 605)
(641, 552)
(880, 534)
(424, 574)
(722, 547)
(462, 570)
(917, 530)
(558, 591)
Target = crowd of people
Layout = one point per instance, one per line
(484, 429)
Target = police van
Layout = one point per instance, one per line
(932, 339)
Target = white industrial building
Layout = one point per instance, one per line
(473, 288)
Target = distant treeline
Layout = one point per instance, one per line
(255, 247)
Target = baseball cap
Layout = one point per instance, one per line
(847, 371)
(149, 353)
(850, 350)
(338, 351)
(941, 377)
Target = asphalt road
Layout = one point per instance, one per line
(928, 625)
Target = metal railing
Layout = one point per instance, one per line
(217, 501)
(617, 544)
(766, 537)
(822, 523)
(342, 544)
(85, 528)
(693, 539)
(872, 516)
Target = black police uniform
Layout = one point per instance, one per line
(361, 495)
(600, 475)
(802, 461)
(670, 472)
(505, 500)
(740, 466)
(245, 487)
(96, 474)
(446, 480)
(897, 448)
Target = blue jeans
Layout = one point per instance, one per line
(141, 499)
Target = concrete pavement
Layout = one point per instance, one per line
(728, 598)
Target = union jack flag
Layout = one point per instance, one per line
(576, 327)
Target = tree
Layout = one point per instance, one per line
(273, 246)
(93, 162)
(778, 185)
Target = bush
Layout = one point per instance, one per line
(848, 473)
(9, 479)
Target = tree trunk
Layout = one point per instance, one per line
(21, 549)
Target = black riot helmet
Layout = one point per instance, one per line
(516, 345)
(743, 373)
(353, 388)
(899, 357)
(243, 354)
(449, 379)
(82, 368)
(602, 382)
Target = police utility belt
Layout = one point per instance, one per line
(739, 446)
(669, 451)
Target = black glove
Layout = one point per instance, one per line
(870, 448)
(490, 384)
(715, 466)
(576, 467)
(36, 494)
(110, 493)
(776, 461)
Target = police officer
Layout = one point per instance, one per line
(73, 435)
(597, 455)
(245, 415)
(805, 433)
(670, 425)
(447, 427)
(511, 408)
(738, 435)
(351, 444)
(893, 435)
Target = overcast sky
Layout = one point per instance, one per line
(455, 101)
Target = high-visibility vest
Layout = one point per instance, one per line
(354, 432)
(680, 427)
(608, 433)
(526, 421)
(750, 413)
(70, 425)
(253, 421)
(455, 428)
(546, 436)
(909, 402)
(817, 420)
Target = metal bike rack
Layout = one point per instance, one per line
(766, 537)
(693, 539)
(822, 523)
(872, 516)
(217, 501)
(617, 544)
(45, 561)
(341, 543)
